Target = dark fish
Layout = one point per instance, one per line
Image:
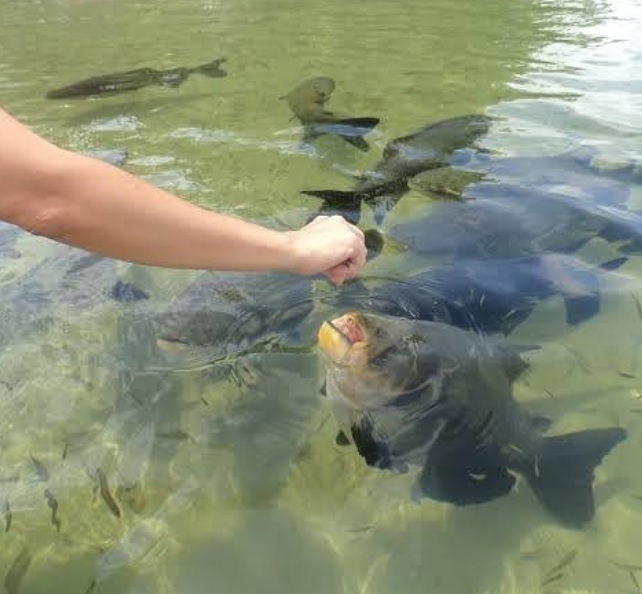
(69, 279)
(105, 493)
(403, 158)
(488, 296)
(564, 562)
(41, 470)
(634, 579)
(17, 571)
(504, 219)
(628, 566)
(52, 502)
(224, 313)
(124, 292)
(431, 395)
(8, 516)
(551, 579)
(131, 80)
(307, 101)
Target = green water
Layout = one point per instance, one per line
(227, 489)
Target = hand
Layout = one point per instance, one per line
(330, 246)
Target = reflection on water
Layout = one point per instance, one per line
(208, 459)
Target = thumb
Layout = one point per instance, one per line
(337, 274)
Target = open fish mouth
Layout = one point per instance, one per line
(337, 337)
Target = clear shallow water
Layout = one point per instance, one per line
(240, 487)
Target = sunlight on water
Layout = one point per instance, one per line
(179, 443)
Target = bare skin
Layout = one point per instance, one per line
(86, 203)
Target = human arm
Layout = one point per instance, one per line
(83, 202)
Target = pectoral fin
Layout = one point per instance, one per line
(456, 471)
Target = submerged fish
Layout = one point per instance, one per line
(406, 392)
(488, 296)
(17, 571)
(307, 101)
(131, 80)
(430, 147)
(235, 307)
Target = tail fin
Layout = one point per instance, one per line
(562, 478)
(336, 198)
(337, 202)
(582, 307)
(212, 68)
(357, 141)
(352, 130)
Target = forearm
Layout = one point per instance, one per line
(108, 211)
(83, 202)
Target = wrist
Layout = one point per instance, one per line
(293, 259)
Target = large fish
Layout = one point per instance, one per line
(428, 394)
(65, 283)
(307, 101)
(504, 220)
(488, 296)
(430, 147)
(223, 313)
(132, 80)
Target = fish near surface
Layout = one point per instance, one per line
(430, 147)
(505, 220)
(307, 102)
(132, 80)
(431, 395)
(223, 313)
(488, 296)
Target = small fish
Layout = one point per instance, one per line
(65, 451)
(532, 555)
(106, 494)
(177, 435)
(126, 292)
(92, 586)
(564, 562)
(307, 101)
(132, 80)
(360, 529)
(625, 374)
(17, 571)
(635, 581)
(628, 566)
(551, 579)
(41, 470)
(638, 307)
(8, 516)
(52, 502)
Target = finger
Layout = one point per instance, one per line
(337, 274)
(359, 258)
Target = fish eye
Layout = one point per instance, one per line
(381, 359)
(379, 333)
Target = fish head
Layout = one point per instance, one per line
(372, 359)
(308, 98)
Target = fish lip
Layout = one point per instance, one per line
(351, 328)
(338, 330)
(340, 341)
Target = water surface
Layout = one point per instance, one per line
(233, 482)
